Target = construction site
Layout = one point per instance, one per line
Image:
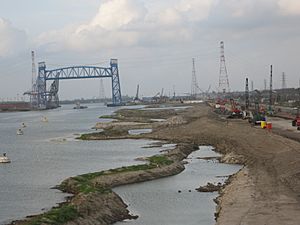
(255, 129)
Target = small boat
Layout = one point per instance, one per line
(4, 159)
(20, 132)
(78, 106)
(23, 125)
(44, 119)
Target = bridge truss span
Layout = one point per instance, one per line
(78, 72)
(48, 97)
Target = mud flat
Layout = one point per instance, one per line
(266, 191)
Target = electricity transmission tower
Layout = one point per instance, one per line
(194, 86)
(283, 81)
(223, 77)
(102, 92)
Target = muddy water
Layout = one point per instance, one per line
(174, 200)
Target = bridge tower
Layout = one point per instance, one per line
(41, 86)
(116, 88)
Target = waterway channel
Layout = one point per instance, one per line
(47, 153)
(174, 200)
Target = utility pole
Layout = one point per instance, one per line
(271, 90)
(265, 84)
(223, 76)
(247, 103)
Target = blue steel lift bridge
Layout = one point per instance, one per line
(47, 98)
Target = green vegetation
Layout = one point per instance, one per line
(130, 168)
(106, 117)
(160, 160)
(56, 216)
(84, 136)
(106, 133)
(83, 183)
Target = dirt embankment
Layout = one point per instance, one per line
(268, 190)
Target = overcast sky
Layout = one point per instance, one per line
(154, 40)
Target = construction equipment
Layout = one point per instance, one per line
(235, 112)
(246, 113)
(296, 121)
(220, 106)
(257, 116)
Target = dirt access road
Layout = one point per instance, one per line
(267, 191)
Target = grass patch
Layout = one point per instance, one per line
(160, 160)
(85, 186)
(87, 136)
(130, 168)
(106, 117)
(106, 133)
(56, 216)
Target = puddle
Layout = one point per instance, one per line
(158, 120)
(139, 131)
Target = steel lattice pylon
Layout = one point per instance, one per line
(223, 77)
(49, 98)
(194, 81)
